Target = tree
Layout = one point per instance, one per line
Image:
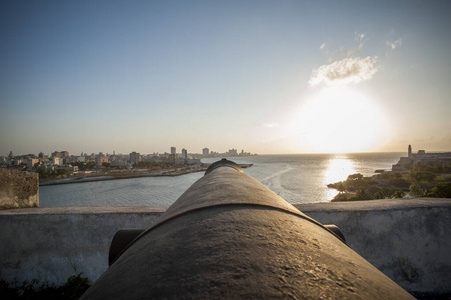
(340, 187)
(441, 190)
(61, 171)
(416, 190)
(398, 194)
(354, 177)
(42, 171)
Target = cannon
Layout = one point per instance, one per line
(229, 236)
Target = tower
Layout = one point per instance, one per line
(409, 152)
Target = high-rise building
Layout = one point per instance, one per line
(173, 150)
(184, 153)
(205, 151)
(134, 157)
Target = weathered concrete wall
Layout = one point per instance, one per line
(18, 189)
(52, 244)
(408, 240)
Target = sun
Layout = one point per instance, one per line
(340, 120)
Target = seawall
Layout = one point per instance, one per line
(408, 240)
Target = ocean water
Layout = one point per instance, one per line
(301, 178)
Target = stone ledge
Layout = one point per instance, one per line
(375, 205)
(407, 239)
(369, 205)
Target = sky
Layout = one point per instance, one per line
(269, 77)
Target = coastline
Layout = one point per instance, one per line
(129, 175)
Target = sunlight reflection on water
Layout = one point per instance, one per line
(338, 169)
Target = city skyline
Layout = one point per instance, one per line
(272, 77)
(172, 150)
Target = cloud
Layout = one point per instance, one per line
(343, 52)
(395, 44)
(348, 70)
(359, 36)
(270, 124)
(323, 45)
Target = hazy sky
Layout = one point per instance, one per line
(264, 76)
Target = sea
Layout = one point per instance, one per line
(298, 178)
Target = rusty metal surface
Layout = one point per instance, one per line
(228, 236)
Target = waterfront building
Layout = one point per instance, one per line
(134, 157)
(184, 153)
(421, 156)
(205, 152)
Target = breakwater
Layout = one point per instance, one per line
(408, 240)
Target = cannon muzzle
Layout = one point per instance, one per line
(229, 236)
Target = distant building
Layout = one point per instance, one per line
(184, 154)
(56, 154)
(118, 161)
(232, 152)
(134, 158)
(64, 154)
(173, 150)
(205, 152)
(421, 156)
(100, 160)
(193, 161)
(31, 162)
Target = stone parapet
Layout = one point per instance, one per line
(408, 240)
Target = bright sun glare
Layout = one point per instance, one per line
(339, 120)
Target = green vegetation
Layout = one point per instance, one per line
(153, 165)
(85, 166)
(423, 179)
(73, 289)
(43, 173)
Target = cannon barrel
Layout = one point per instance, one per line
(229, 236)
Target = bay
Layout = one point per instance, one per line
(300, 178)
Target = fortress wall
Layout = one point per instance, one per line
(408, 240)
(18, 189)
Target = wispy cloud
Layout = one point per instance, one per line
(348, 70)
(395, 44)
(270, 124)
(343, 52)
(323, 45)
(359, 36)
